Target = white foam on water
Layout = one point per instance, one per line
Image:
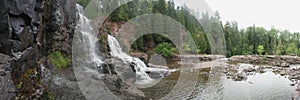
(142, 78)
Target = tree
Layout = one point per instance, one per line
(292, 49)
(260, 49)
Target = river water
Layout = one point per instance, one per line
(213, 84)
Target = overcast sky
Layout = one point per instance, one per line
(282, 14)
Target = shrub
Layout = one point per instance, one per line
(166, 53)
(59, 60)
(174, 50)
(166, 49)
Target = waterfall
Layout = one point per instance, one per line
(88, 45)
(141, 76)
(88, 37)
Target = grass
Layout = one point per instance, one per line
(59, 60)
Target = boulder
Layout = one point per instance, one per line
(285, 64)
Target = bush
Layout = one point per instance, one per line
(57, 59)
(174, 50)
(166, 53)
(165, 49)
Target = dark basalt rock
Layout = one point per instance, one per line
(7, 86)
(19, 23)
(18, 40)
(28, 40)
(59, 22)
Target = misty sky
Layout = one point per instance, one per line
(282, 14)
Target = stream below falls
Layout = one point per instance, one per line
(216, 83)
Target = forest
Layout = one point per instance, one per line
(252, 40)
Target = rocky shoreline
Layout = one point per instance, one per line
(236, 73)
(273, 60)
(285, 65)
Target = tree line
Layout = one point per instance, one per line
(248, 41)
(258, 40)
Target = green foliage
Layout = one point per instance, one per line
(120, 14)
(174, 50)
(292, 49)
(186, 47)
(248, 40)
(166, 53)
(19, 85)
(158, 49)
(260, 49)
(278, 52)
(188, 20)
(237, 41)
(165, 49)
(289, 50)
(83, 3)
(57, 59)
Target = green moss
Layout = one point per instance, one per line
(57, 59)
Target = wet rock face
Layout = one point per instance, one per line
(59, 22)
(102, 44)
(29, 30)
(19, 23)
(7, 86)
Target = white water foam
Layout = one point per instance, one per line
(89, 38)
(141, 76)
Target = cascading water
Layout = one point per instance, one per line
(141, 76)
(89, 37)
(89, 40)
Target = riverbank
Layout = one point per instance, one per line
(273, 60)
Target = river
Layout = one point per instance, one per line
(213, 84)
